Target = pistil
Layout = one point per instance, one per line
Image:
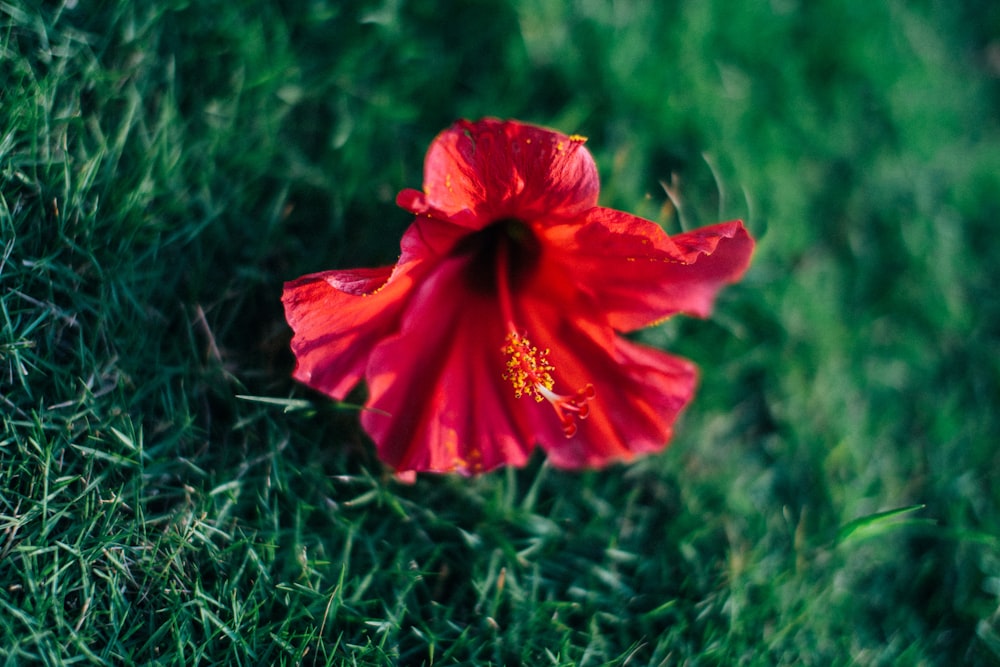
(528, 368)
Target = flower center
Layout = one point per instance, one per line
(528, 368)
(509, 237)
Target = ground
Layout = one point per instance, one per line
(171, 496)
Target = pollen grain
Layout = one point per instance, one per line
(527, 368)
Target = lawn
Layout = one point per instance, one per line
(169, 495)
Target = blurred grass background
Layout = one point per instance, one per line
(831, 497)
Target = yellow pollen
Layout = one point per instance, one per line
(530, 372)
(577, 138)
(527, 367)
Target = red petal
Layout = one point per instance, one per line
(637, 274)
(717, 255)
(437, 400)
(639, 392)
(428, 239)
(477, 173)
(338, 317)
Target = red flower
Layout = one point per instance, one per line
(499, 326)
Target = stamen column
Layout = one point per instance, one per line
(528, 368)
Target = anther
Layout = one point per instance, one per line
(529, 371)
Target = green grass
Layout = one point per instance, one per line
(832, 495)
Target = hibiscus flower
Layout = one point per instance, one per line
(499, 327)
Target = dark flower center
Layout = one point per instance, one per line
(523, 252)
